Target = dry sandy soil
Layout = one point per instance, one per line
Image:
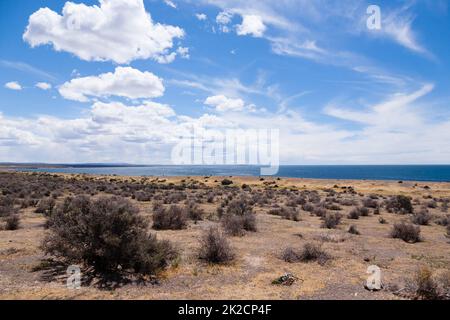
(258, 260)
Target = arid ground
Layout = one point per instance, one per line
(258, 254)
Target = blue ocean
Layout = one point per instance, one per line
(358, 172)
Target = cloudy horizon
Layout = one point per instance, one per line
(119, 81)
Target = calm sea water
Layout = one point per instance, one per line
(384, 172)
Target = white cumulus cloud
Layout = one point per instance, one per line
(201, 16)
(223, 104)
(13, 85)
(251, 25)
(116, 30)
(124, 82)
(43, 85)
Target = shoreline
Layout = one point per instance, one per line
(249, 177)
(364, 186)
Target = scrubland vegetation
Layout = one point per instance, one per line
(151, 232)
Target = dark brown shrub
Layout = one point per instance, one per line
(226, 182)
(220, 212)
(237, 225)
(354, 214)
(422, 217)
(333, 207)
(174, 218)
(313, 252)
(353, 230)
(194, 212)
(347, 202)
(28, 202)
(407, 232)
(331, 220)
(308, 207)
(432, 204)
(382, 221)
(319, 211)
(12, 222)
(6, 206)
(443, 221)
(399, 204)
(214, 247)
(426, 287)
(287, 213)
(364, 211)
(106, 234)
(45, 206)
(239, 207)
(233, 225)
(249, 222)
(143, 196)
(370, 203)
(291, 255)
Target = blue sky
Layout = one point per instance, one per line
(119, 81)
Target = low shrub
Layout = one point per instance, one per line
(194, 212)
(382, 221)
(353, 230)
(319, 211)
(407, 232)
(308, 207)
(174, 218)
(249, 222)
(239, 207)
(309, 253)
(399, 204)
(215, 248)
(226, 182)
(45, 206)
(106, 234)
(6, 206)
(443, 220)
(12, 222)
(143, 196)
(287, 213)
(331, 220)
(364, 211)
(426, 287)
(370, 203)
(354, 214)
(236, 225)
(422, 217)
(313, 252)
(291, 255)
(233, 225)
(432, 204)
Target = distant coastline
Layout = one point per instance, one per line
(432, 173)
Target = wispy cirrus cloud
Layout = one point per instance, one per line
(25, 67)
